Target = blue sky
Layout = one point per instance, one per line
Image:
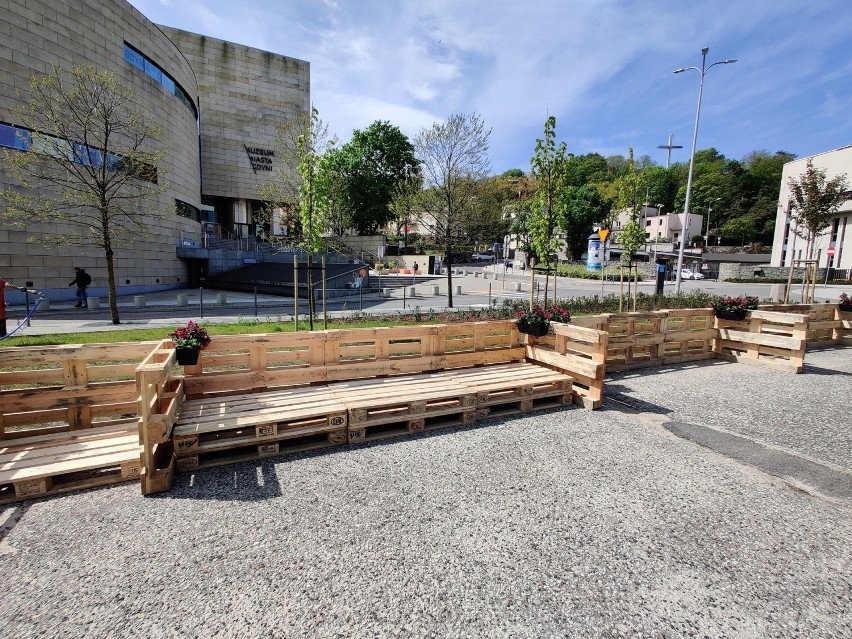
(603, 68)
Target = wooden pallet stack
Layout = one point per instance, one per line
(768, 338)
(68, 418)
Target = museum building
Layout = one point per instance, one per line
(217, 105)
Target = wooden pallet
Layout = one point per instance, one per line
(214, 431)
(49, 464)
(415, 424)
(406, 403)
(519, 383)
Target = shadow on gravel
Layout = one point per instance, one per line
(817, 370)
(621, 396)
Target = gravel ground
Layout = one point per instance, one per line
(561, 524)
(805, 413)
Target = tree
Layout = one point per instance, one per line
(549, 168)
(453, 158)
(520, 226)
(740, 228)
(814, 201)
(585, 207)
(371, 165)
(304, 182)
(90, 164)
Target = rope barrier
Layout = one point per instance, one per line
(39, 298)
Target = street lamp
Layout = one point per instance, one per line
(703, 70)
(709, 208)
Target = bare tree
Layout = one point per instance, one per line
(89, 164)
(454, 159)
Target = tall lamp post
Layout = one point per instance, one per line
(703, 70)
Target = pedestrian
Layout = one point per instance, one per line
(415, 268)
(81, 280)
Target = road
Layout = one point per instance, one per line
(479, 289)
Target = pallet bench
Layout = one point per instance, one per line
(253, 396)
(68, 417)
(45, 465)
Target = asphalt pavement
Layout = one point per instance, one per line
(480, 287)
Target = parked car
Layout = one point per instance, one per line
(686, 274)
(482, 257)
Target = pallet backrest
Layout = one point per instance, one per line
(52, 389)
(253, 363)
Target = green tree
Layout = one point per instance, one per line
(519, 227)
(585, 207)
(549, 169)
(453, 157)
(739, 228)
(372, 165)
(304, 182)
(814, 201)
(90, 165)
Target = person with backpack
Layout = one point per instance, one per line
(81, 280)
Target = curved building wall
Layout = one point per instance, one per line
(244, 95)
(38, 34)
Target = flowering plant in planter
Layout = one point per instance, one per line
(537, 321)
(190, 336)
(741, 303)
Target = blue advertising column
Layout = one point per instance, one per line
(593, 261)
(661, 274)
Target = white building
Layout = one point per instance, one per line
(786, 246)
(660, 226)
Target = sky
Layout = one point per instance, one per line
(602, 68)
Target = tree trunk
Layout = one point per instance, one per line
(110, 260)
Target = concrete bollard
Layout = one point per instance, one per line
(519, 287)
(486, 275)
(385, 292)
(221, 298)
(182, 299)
(458, 290)
(45, 305)
(139, 301)
(477, 274)
(94, 302)
(436, 290)
(777, 292)
(412, 292)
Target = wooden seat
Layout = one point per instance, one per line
(257, 425)
(59, 462)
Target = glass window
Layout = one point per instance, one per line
(167, 82)
(13, 137)
(134, 57)
(142, 62)
(153, 70)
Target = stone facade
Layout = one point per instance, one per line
(245, 94)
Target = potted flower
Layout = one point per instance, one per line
(734, 308)
(188, 341)
(537, 321)
(845, 303)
